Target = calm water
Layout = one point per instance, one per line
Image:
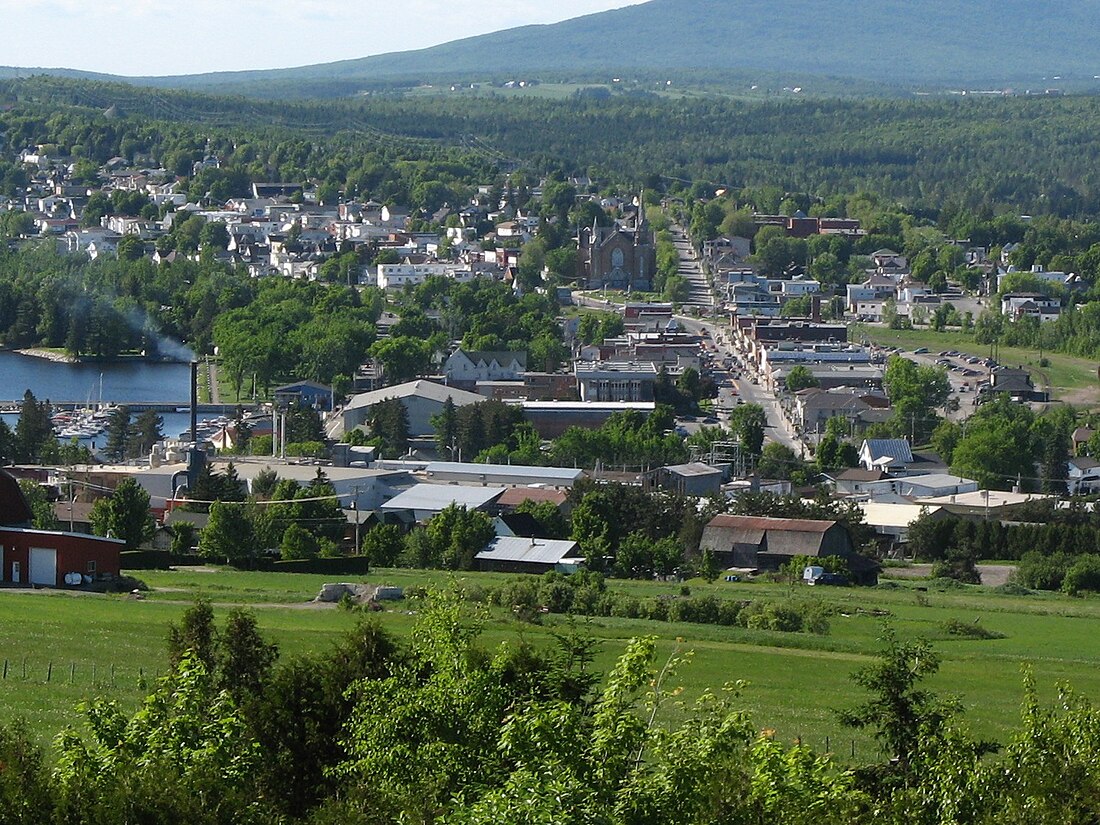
(130, 381)
(79, 383)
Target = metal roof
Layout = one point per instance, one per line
(796, 525)
(502, 471)
(894, 448)
(421, 389)
(693, 469)
(440, 496)
(530, 551)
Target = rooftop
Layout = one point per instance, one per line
(440, 496)
(532, 551)
(420, 389)
(791, 525)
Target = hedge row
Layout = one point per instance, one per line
(586, 594)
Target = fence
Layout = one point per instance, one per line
(77, 673)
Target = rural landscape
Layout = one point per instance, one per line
(584, 422)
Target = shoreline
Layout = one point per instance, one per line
(47, 355)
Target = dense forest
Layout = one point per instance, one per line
(1029, 155)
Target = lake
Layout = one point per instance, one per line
(121, 381)
(131, 381)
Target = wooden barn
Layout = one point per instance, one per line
(761, 543)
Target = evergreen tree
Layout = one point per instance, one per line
(118, 434)
(146, 432)
(34, 430)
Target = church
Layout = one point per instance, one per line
(617, 257)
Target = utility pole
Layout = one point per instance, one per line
(355, 504)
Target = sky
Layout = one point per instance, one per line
(168, 37)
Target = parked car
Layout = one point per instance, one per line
(920, 351)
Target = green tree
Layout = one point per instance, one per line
(118, 434)
(33, 430)
(228, 534)
(382, 545)
(125, 515)
(899, 713)
(389, 426)
(298, 543)
(35, 494)
(800, 378)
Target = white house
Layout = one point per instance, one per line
(474, 366)
(885, 454)
(1083, 476)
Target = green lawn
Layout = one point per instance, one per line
(1069, 377)
(107, 645)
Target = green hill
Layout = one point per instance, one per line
(907, 42)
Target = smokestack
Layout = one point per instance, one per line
(195, 457)
(815, 309)
(195, 402)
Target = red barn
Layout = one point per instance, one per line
(46, 557)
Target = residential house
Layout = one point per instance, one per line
(891, 454)
(1016, 383)
(466, 368)
(306, 393)
(1017, 305)
(1083, 476)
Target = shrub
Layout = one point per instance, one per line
(1083, 574)
(970, 630)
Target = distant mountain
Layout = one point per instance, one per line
(964, 43)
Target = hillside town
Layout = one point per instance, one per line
(760, 380)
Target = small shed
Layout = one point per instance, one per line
(694, 479)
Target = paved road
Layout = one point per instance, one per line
(747, 391)
(212, 375)
(691, 270)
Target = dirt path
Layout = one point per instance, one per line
(993, 575)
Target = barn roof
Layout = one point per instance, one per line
(798, 525)
(528, 551)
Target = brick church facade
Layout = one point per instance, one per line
(618, 257)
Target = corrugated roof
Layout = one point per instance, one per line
(794, 525)
(557, 474)
(440, 496)
(694, 469)
(530, 551)
(895, 448)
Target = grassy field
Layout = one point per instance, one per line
(113, 646)
(1071, 379)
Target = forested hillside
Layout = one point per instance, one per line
(948, 42)
(1028, 155)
